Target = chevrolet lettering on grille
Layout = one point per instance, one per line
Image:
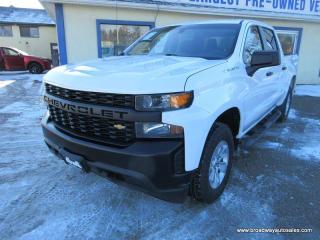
(84, 108)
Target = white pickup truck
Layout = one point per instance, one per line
(167, 115)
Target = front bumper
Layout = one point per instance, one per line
(151, 166)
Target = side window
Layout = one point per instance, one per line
(252, 43)
(270, 43)
(10, 52)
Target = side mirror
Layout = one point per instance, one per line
(262, 59)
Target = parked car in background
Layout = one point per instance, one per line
(12, 59)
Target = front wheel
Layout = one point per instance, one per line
(35, 68)
(215, 165)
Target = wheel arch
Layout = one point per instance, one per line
(33, 62)
(232, 118)
(198, 124)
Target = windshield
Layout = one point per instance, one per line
(209, 41)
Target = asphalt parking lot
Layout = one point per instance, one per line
(274, 184)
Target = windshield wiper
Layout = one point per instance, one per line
(203, 57)
(171, 54)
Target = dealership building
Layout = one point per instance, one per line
(89, 29)
(30, 30)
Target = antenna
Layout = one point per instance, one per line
(157, 13)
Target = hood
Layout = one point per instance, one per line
(129, 74)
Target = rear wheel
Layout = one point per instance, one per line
(35, 68)
(286, 105)
(215, 166)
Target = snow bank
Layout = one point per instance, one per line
(9, 76)
(308, 90)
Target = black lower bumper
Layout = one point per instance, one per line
(151, 166)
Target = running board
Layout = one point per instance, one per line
(266, 123)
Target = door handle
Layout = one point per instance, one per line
(268, 74)
(284, 68)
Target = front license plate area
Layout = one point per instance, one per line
(73, 162)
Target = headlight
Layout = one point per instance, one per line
(158, 130)
(163, 102)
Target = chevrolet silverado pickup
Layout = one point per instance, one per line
(167, 115)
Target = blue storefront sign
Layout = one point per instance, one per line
(294, 7)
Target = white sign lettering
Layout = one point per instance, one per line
(302, 7)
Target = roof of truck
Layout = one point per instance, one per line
(231, 21)
(223, 21)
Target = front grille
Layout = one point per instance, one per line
(105, 99)
(96, 129)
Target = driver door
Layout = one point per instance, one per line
(12, 59)
(257, 101)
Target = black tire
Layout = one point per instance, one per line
(286, 105)
(201, 188)
(35, 68)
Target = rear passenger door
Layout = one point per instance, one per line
(274, 73)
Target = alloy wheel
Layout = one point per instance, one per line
(219, 164)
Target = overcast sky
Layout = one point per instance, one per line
(21, 3)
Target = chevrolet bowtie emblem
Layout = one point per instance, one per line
(119, 126)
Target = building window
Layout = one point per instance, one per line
(29, 31)
(290, 39)
(288, 42)
(116, 36)
(5, 31)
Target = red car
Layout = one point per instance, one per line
(12, 59)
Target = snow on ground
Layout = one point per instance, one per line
(6, 83)
(306, 144)
(7, 78)
(273, 184)
(308, 90)
(4, 73)
(20, 75)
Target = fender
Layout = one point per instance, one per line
(198, 119)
